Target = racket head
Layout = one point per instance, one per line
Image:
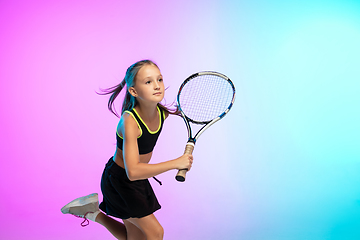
(205, 96)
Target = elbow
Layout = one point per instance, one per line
(131, 178)
(131, 175)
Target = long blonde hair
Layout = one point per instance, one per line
(130, 101)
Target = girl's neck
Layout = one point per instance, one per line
(147, 112)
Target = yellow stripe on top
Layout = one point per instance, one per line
(135, 121)
(145, 123)
(163, 114)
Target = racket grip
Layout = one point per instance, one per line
(181, 175)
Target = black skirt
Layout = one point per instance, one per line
(124, 198)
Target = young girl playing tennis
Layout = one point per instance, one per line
(127, 194)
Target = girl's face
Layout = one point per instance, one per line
(149, 85)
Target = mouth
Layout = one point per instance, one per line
(158, 93)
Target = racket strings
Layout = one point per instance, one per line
(205, 97)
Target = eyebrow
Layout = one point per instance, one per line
(150, 77)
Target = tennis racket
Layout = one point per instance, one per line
(203, 98)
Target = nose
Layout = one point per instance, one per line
(157, 85)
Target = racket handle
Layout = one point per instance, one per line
(180, 176)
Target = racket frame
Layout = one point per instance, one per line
(192, 140)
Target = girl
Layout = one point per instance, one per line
(127, 194)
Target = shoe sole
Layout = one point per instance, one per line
(81, 201)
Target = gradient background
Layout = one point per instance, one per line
(284, 164)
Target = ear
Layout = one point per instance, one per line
(132, 91)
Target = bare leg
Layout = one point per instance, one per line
(126, 231)
(133, 232)
(117, 229)
(150, 226)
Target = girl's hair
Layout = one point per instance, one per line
(129, 80)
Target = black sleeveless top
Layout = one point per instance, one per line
(147, 139)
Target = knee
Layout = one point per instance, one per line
(158, 232)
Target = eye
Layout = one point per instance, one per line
(160, 80)
(148, 82)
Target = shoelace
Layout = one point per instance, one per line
(86, 221)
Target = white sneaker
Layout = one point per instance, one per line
(82, 206)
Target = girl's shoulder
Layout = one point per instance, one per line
(127, 118)
(163, 111)
(128, 124)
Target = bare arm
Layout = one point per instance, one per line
(137, 170)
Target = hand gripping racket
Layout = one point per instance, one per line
(203, 98)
